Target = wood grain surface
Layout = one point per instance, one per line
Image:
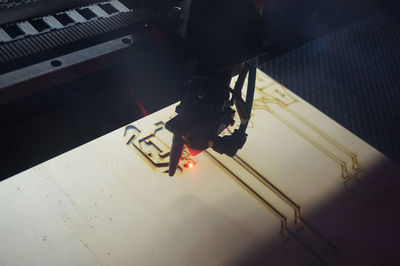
(303, 191)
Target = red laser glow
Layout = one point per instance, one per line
(141, 107)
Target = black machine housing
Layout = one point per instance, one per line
(75, 78)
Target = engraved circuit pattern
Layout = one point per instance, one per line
(277, 101)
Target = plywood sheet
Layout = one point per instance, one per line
(303, 191)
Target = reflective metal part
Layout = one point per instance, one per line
(53, 23)
(176, 153)
(27, 28)
(4, 36)
(75, 16)
(13, 82)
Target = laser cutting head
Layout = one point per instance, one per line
(204, 112)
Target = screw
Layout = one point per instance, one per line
(56, 63)
(126, 41)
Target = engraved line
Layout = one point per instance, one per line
(269, 206)
(283, 219)
(283, 196)
(343, 164)
(307, 247)
(266, 98)
(269, 185)
(269, 97)
(352, 155)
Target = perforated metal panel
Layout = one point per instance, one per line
(353, 76)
